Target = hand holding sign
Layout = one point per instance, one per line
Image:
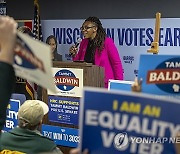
(136, 86)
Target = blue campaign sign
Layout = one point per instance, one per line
(12, 112)
(120, 85)
(125, 122)
(62, 135)
(63, 110)
(160, 74)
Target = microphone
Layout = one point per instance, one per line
(76, 45)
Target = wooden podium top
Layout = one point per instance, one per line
(72, 64)
(93, 75)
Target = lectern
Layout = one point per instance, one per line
(92, 76)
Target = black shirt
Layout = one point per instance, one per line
(89, 56)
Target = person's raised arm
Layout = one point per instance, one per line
(7, 76)
(7, 39)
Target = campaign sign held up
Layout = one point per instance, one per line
(125, 122)
(11, 116)
(29, 62)
(12, 111)
(160, 74)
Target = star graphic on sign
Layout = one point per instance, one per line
(176, 87)
(64, 87)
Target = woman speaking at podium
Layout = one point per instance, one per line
(98, 49)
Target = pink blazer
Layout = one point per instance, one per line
(108, 59)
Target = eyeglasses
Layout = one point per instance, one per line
(86, 27)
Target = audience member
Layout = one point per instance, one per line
(28, 125)
(51, 40)
(26, 30)
(7, 75)
(98, 49)
(27, 137)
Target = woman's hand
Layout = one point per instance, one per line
(73, 50)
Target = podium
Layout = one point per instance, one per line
(93, 76)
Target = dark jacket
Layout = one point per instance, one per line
(7, 81)
(24, 140)
(57, 57)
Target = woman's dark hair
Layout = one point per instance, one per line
(57, 57)
(52, 37)
(101, 34)
(26, 30)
